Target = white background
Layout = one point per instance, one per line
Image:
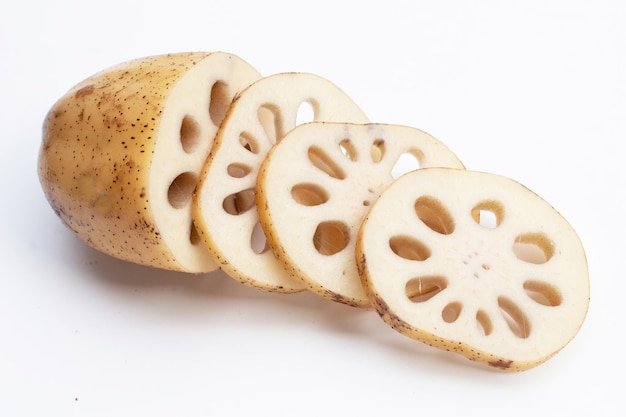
(533, 90)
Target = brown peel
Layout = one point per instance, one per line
(122, 151)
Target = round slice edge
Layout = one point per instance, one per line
(474, 263)
(225, 203)
(318, 183)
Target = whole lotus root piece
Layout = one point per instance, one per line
(122, 152)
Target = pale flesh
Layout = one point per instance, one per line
(474, 263)
(318, 183)
(224, 204)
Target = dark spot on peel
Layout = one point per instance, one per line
(85, 91)
(341, 299)
(390, 317)
(501, 364)
(381, 306)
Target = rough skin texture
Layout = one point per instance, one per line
(96, 156)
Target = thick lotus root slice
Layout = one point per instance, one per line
(224, 203)
(122, 152)
(474, 263)
(317, 184)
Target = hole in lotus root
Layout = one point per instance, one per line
(434, 215)
(408, 161)
(258, 242)
(271, 121)
(534, 248)
(484, 322)
(423, 289)
(408, 247)
(237, 170)
(189, 134)
(451, 312)
(377, 151)
(488, 214)
(181, 189)
(194, 236)
(347, 149)
(220, 102)
(323, 162)
(248, 142)
(306, 112)
(309, 194)
(239, 202)
(543, 293)
(515, 318)
(331, 237)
